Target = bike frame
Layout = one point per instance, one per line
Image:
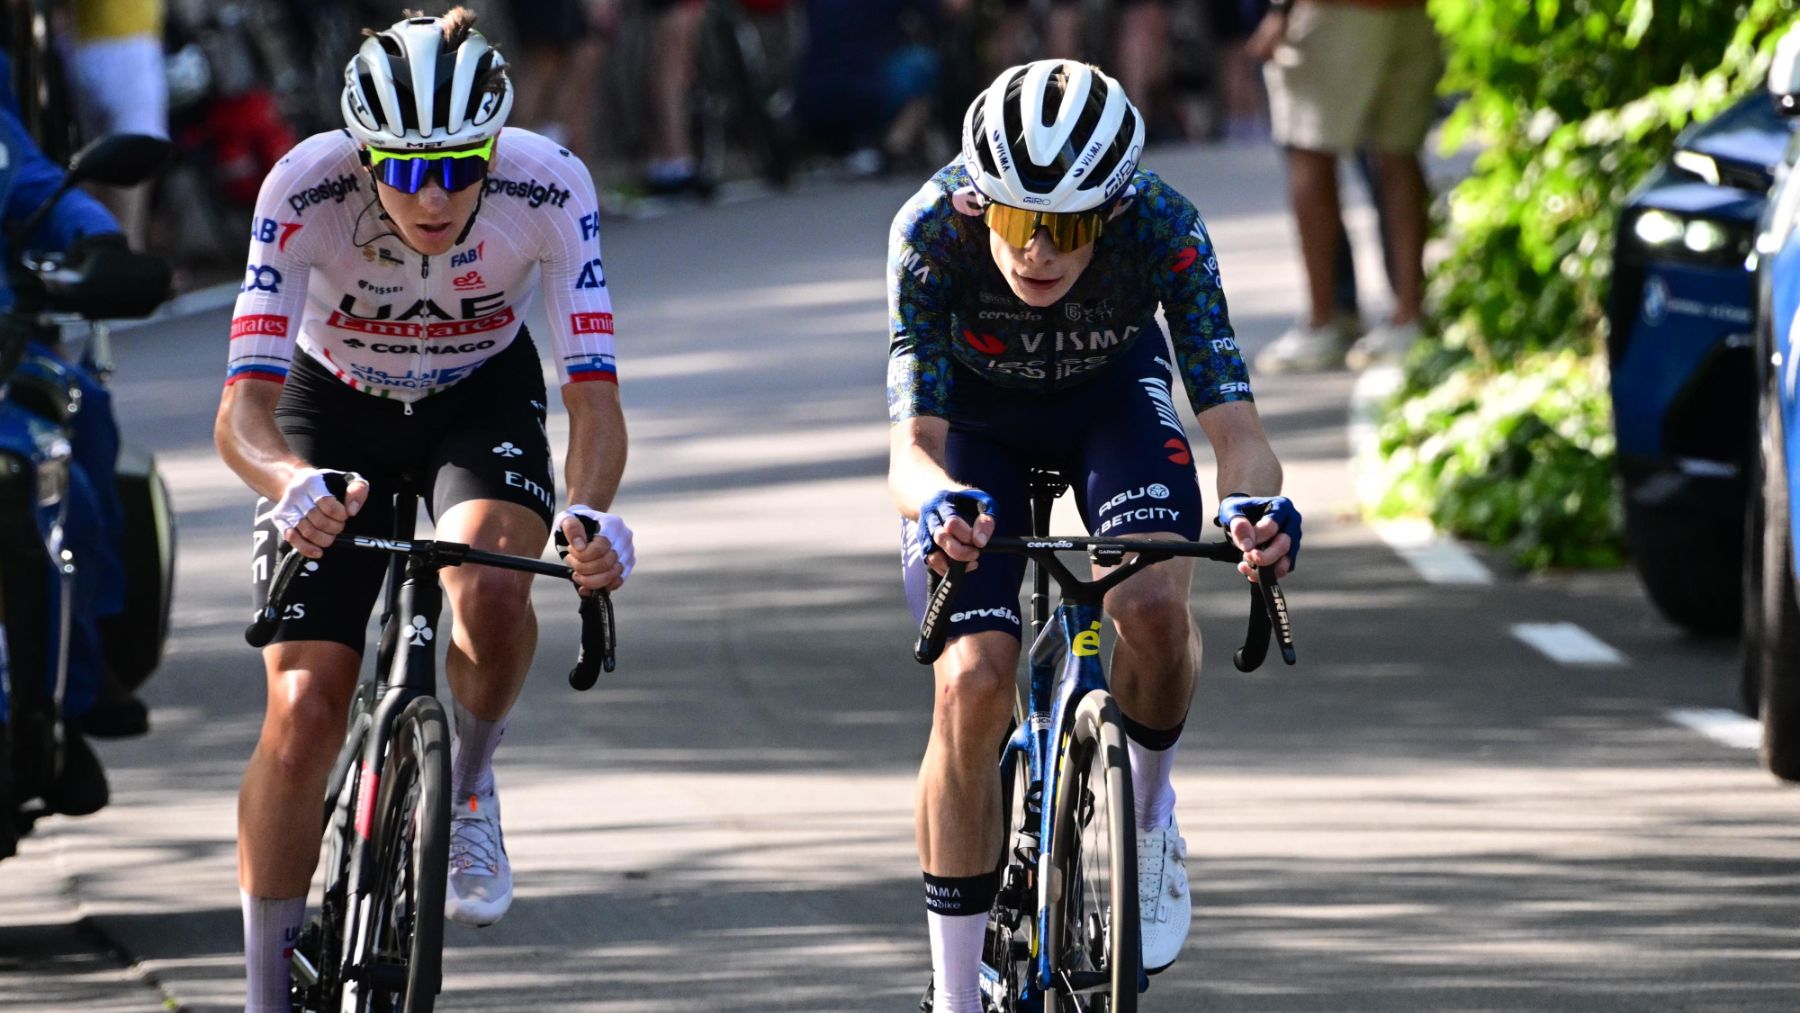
(413, 592)
(1064, 666)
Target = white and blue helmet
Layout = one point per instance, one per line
(426, 83)
(1055, 135)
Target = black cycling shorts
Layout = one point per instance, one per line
(481, 439)
(1118, 438)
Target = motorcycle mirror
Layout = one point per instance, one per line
(1784, 73)
(120, 159)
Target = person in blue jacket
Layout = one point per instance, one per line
(95, 515)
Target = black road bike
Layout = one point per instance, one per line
(376, 944)
(1063, 931)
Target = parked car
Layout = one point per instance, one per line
(1772, 627)
(1682, 315)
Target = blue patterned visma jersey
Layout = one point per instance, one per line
(952, 314)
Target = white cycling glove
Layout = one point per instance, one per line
(608, 526)
(303, 492)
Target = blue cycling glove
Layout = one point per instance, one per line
(937, 511)
(1255, 508)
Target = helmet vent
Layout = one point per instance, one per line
(1110, 158)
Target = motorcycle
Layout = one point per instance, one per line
(45, 764)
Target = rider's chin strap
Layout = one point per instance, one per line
(470, 224)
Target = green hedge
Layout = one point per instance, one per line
(1502, 429)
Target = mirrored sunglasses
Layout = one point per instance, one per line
(1069, 230)
(407, 171)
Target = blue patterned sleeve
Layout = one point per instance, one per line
(919, 369)
(1193, 301)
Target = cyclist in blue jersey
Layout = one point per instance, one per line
(1023, 285)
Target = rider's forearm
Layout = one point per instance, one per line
(597, 443)
(250, 442)
(916, 462)
(1247, 463)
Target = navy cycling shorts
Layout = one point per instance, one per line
(1119, 440)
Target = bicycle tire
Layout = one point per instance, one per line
(1094, 921)
(401, 959)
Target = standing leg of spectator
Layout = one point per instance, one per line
(1313, 190)
(1062, 34)
(1402, 185)
(121, 89)
(671, 168)
(1143, 55)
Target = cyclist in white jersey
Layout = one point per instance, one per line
(380, 334)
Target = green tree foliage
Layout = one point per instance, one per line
(1502, 430)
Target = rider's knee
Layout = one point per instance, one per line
(1157, 609)
(303, 730)
(976, 691)
(492, 600)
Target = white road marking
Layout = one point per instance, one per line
(1726, 727)
(1568, 644)
(1437, 558)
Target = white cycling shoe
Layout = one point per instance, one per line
(1165, 910)
(481, 886)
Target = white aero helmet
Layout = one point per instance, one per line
(1053, 135)
(411, 88)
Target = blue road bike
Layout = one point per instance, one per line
(1063, 931)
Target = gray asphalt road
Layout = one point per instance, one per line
(1426, 814)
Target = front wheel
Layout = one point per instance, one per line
(1093, 856)
(400, 964)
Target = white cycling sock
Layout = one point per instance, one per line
(956, 942)
(271, 924)
(1151, 784)
(472, 762)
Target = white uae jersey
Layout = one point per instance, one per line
(328, 275)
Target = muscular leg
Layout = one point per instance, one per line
(309, 686)
(496, 630)
(1154, 667)
(959, 780)
(279, 803)
(958, 816)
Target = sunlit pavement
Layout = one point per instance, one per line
(1426, 814)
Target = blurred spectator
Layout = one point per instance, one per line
(116, 74)
(671, 168)
(95, 703)
(1243, 107)
(556, 42)
(862, 87)
(1059, 37)
(1344, 74)
(1143, 61)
